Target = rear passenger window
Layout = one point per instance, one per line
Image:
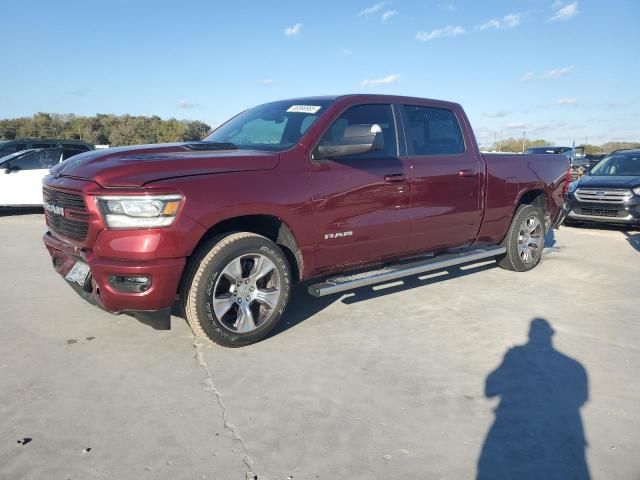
(432, 131)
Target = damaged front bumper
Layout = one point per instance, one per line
(102, 286)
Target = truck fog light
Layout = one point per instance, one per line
(130, 283)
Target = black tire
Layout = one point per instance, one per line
(205, 275)
(513, 259)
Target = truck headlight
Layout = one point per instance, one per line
(636, 190)
(139, 211)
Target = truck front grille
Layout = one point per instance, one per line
(74, 223)
(64, 199)
(609, 196)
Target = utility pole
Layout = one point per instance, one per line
(524, 136)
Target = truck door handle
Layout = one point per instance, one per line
(395, 177)
(467, 173)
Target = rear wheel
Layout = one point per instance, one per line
(524, 240)
(237, 289)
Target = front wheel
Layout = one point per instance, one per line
(525, 240)
(237, 289)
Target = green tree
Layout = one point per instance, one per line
(515, 144)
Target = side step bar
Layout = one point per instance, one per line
(393, 272)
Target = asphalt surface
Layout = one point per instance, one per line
(448, 377)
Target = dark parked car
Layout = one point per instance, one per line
(70, 147)
(609, 192)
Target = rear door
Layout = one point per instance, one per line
(361, 202)
(446, 204)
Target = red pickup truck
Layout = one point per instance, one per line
(349, 190)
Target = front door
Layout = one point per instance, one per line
(361, 202)
(446, 182)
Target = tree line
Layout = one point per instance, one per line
(103, 129)
(515, 145)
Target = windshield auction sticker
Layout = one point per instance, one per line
(303, 108)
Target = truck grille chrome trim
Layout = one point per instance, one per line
(394, 272)
(602, 195)
(74, 220)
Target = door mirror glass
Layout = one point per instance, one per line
(356, 139)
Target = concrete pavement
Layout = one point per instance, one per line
(382, 383)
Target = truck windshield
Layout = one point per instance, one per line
(274, 126)
(618, 166)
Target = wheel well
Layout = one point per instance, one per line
(534, 197)
(266, 225)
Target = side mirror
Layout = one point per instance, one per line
(356, 139)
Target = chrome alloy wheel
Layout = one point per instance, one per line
(530, 238)
(246, 293)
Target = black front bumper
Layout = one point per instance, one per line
(626, 213)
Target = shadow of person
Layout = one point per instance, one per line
(537, 433)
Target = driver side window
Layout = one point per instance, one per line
(380, 114)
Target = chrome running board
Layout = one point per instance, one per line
(393, 272)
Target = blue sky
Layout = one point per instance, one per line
(562, 70)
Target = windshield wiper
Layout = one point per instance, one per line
(211, 146)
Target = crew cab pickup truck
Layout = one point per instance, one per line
(340, 192)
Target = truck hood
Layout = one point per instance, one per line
(138, 165)
(594, 181)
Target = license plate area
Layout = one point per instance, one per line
(78, 273)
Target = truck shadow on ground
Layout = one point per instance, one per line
(538, 431)
(303, 306)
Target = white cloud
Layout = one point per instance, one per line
(186, 104)
(267, 81)
(557, 72)
(512, 20)
(491, 24)
(448, 31)
(565, 101)
(370, 82)
(527, 76)
(566, 12)
(508, 21)
(497, 114)
(388, 14)
(515, 126)
(372, 9)
(293, 31)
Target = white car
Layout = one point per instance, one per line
(21, 175)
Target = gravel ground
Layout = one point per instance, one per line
(469, 373)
